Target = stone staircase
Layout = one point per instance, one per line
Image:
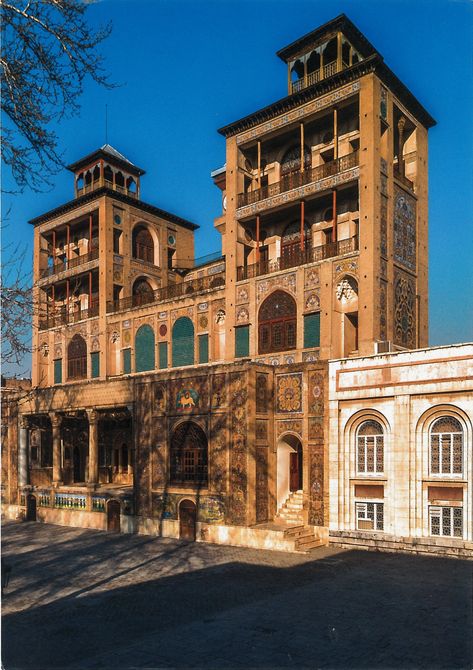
(303, 537)
(291, 511)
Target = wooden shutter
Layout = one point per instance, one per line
(242, 341)
(312, 330)
(95, 364)
(203, 348)
(183, 342)
(58, 371)
(126, 361)
(163, 355)
(144, 349)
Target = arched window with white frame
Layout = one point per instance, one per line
(446, 447)
(370, 448)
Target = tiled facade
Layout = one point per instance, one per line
(190, 397)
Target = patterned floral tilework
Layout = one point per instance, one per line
(404, 229)
(289, 393)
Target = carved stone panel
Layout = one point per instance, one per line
(261, 484)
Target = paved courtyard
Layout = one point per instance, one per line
(85, 599)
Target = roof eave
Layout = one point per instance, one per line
(104, 191)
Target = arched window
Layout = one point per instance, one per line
(144, 349)
(143, 246)
(183, 342)
(370, 449)
(77, 358)
(446, 447)
(291, 252)
(142, 292)
(189, 455)
(277, 325)
(291, 161)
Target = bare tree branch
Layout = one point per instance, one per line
(48, 50)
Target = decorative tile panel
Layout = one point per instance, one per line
(404, 310)
(304, 110)
(289, 393)
(405, 229)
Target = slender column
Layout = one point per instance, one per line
(289, 82)
(400, 158)
(302, 147)
(54, 298)
(321, 64)
(257, 238)
(93, 474)
(335, 133)
(56, 421)
(130, 462)
(90, 233)
(68, 241)
(334, 212)
(302, 233)
(305, 73)
(67, 299)
(54, 248)
(90, 290)
(339, 51)
(259, 163)
(102, 176)
(22, 451)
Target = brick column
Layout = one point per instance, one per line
(93, 474)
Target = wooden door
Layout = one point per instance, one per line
(187, 520)
(113, 516)
(31, 508)
(294, 471)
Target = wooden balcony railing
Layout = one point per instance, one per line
(69, 264)
(298, 178)
(296, 259)
(318, 75)
(98, 183)
(170, 292)
(63, 317)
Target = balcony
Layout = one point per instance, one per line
(69, 264)
(298, 178)
(314, 77)
(313, 255)
(98, 183)
(62, 317)
(171, 292)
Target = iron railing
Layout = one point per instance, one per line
(311, 255)
(297, 178)
(69, 264)
(169, 292)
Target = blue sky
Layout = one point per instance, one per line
(189, 67)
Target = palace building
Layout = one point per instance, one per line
(265, 395)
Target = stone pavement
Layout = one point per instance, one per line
(83, 599)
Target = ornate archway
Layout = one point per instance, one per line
(277, 323)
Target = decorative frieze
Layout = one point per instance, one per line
(299, 193)
(299, 113)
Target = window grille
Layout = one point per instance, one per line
(446, 447)
(189, 455)
(77, 358)
(277, 325)
(446, 521)
(369, 516)
(370, 448)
